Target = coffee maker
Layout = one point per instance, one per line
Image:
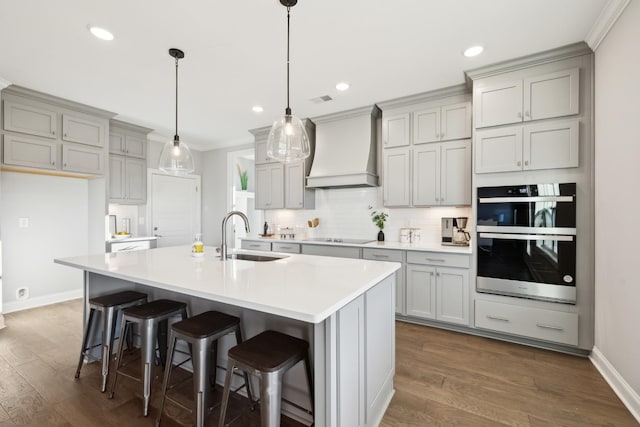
(453, 231)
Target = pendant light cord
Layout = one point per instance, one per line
(176, 137)
(288, 110)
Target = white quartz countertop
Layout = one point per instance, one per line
(302, 287)
(421, 246)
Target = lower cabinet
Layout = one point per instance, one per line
(335, 251)
(288, 248)
(255, 245)
(396, 256)
(532, 322)
(438, 292)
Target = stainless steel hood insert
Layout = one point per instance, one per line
(346, 145)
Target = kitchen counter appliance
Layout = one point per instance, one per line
(526, 241)
(453, 231)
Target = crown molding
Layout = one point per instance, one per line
(460, 89)
(607, 18)
(4, 83)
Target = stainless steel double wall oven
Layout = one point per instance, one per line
(526, 241)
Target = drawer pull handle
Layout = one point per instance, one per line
(503, 319)
(435, 260)
(545, 326)
(254, 246)
(285, 247)
(380, 256)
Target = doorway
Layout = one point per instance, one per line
(174, 207)
(243, 200)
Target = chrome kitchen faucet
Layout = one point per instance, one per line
(223, 245)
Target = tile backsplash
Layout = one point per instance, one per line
(346, 213)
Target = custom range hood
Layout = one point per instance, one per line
(346, 146)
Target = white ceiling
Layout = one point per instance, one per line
(236, 50)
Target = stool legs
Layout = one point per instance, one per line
(85, 340)
(227, 388)
(270, 398)
(149, 330)
(108, 330)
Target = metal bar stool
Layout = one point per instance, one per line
(148, 316)
(269, 355)
(201, 332)
(110, 308)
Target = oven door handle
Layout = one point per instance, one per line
(503, 236)
(526, 199)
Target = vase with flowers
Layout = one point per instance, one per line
(379, 218)
(244, 178)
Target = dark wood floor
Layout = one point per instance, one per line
(442, 379)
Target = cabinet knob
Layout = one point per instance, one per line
(53, 163)
(442, 135)
(518, 163)
(437, 274)
(526, 114)
(526, 162)
(519, 115)
(65, 135)
(65, 165)
(53, 132)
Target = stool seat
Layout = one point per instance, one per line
(205, 324)
(154, 309)
(118, 298)
(269, 351)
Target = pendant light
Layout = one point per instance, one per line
(176, 157)
(288, 140)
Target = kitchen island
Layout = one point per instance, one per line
(344, 308)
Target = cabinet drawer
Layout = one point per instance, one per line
(438, 259)
(289, 248)
(336, 251)
(547, 325)
(256, 246)
(382, 254)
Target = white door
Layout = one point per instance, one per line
(175, 208)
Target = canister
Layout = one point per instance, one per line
(405, 235)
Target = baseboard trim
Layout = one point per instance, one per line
(12, 306)
(629, 397)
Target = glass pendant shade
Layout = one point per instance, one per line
(288, 140)
(176, 158)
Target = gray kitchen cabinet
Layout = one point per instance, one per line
(76, 158)
(335, 251)
(539, 97)
(531, 322)
(396, 182)
(445, 123)
(127, 163)
(270, 186)
(396, 130)
(31, 118)
(395, 256)
(438, 286)
(84, 129)
(297, 196)
(289, 248)
(546, 145)
(29, 152)
(256, 245)
(261, 153)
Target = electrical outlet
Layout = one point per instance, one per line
(23, 222)
(22, 293)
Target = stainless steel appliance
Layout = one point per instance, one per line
(526, 241)
(453, 231)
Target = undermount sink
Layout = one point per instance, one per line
(250, 257)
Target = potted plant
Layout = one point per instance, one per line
(243, 178)
(379, 219)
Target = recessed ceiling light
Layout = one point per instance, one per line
(257, 109)
(473, 51)
(342, 86)
(101, 33)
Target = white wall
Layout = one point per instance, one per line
(57, 210)
(617, 83)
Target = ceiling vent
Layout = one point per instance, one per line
(321, 99)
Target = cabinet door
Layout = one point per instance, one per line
(395, 130)
(270, 187)
(82, 159)
(263, 187)
(135, 146)
(498, 104)
(116, 142)
(426, 126)
(552, 95)
(117, 190)
(136, 180)
(499, 150)
(396, 177)
(83, 130)
(551, 145)
(261, 153)
(456, 121)
(294, 185)
(455, 173)
(30, 120)
(426, 175)
(421, 291)
(452, 290)
(31, 153)
(276, 176)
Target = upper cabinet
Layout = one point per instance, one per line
(282, 185)
(540, 97)
(127, 163)
(427, 150)
(45, 132)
